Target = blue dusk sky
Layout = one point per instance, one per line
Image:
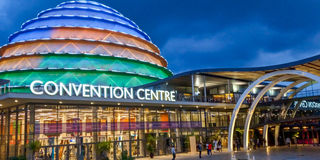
(196, 34)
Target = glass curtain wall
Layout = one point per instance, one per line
(74, 131)
(12, 131)
(3, 132)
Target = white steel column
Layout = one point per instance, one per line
(296, 107)
(284, 114)
(265, 135)
(204, 89)
(192, 85)
(276, 134)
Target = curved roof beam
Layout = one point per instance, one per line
(250, 88)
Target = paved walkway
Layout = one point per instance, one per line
(271, 153)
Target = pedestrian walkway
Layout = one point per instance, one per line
(270, 153)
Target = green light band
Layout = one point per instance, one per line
(24, 78)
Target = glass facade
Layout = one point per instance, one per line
(73, 131)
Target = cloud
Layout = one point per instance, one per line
(247, 44)
(227, 47)
(274, 58)
(4, 5)
(179, 45)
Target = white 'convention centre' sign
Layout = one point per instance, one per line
(51, 88)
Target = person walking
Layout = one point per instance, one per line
(207, 147)
(258, 142)
(288, 141)
(173, 151)
(199, 149)
(238, 144)
(219, 146)
(295, 141)
(210, 149)
(215, 145)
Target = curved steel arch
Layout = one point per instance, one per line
(285, 90)
(261, 93)
(301, 88)
(254, 104)
(285, 112)
(250, 88)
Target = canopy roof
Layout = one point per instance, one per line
(238, 75)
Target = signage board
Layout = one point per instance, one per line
(51, 88)
(308, 104)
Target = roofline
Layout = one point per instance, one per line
(246, 69)
(251, 69)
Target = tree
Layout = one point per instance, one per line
(103, 148)
(124, 156)
(35, 147)
(151, 144)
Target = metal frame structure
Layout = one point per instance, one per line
(301, 88)
(253, 107)
(284, 74)
(285, 90)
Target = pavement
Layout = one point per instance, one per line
(269, 153)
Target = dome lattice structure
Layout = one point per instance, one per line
(81, 42)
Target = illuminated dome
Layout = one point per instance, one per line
(81, 42)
